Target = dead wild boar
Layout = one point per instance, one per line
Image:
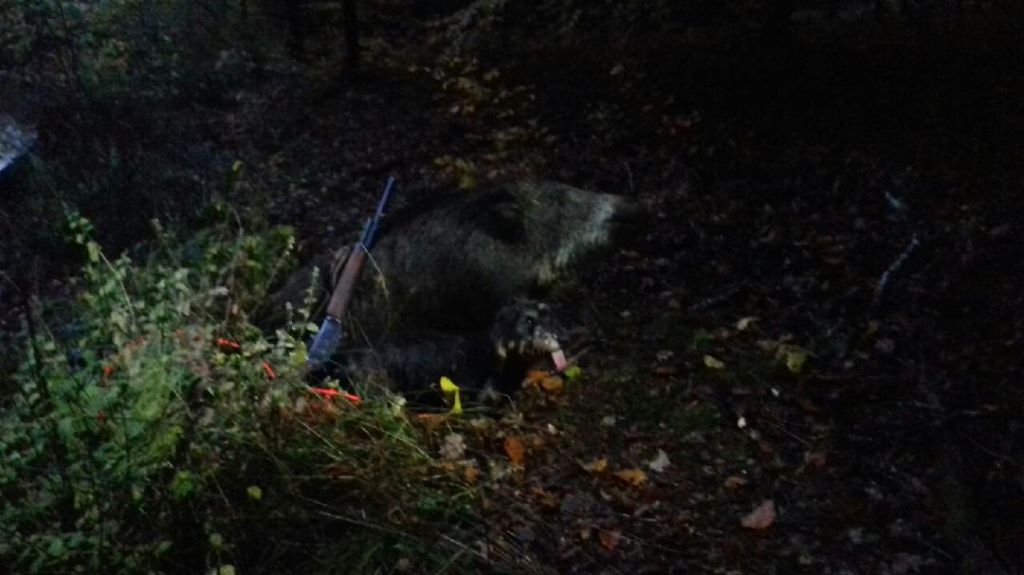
(488, 366)
(450, 262)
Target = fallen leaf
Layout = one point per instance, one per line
(616, 70)
(735, 482)
(713, 363)
(454, 447)
(471, 473)
(761, 517)
(553, 384)
(432, 421)
(595, 466)
(906, 563)
(635, 477)
(659, 463)
(816, 459)
(535, 377)
(545, 498)
(610, 538)
(885, 345)
(744, 324)
(515, 450)
(794, 357)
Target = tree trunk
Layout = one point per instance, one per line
(351, 33)
(295, 42)
(779, 25)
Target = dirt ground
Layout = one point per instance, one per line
(741, 352)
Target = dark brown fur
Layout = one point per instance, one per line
(485, 365)
(449, 262)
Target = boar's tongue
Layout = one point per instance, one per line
(559, 358)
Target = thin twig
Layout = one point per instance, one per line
(888, 277)
(65, 506)
(124, 288)
(713, 301)
(999, 456)
(359, 523)
(898, 206)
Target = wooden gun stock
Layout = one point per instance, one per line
(328, 339)
(342, 295)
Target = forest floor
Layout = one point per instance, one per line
(750, 402)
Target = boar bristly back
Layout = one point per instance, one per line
(452, 263)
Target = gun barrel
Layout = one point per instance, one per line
(370, 236)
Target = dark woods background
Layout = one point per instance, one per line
(146, 84)
(790, 154)
(93, 76)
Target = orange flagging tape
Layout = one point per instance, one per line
(269, 371)
(326, 392)
(227, 344)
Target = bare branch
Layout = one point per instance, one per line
(888, 277)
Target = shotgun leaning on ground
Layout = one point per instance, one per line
(328, 339)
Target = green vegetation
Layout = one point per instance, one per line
(148, 441)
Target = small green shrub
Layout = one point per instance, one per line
(121, 51)
(169, 435)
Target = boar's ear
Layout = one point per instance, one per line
(499, 215)
(507, 222)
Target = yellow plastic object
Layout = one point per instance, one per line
(572, 373)
(451, 391)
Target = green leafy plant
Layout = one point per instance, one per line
(168, 434)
